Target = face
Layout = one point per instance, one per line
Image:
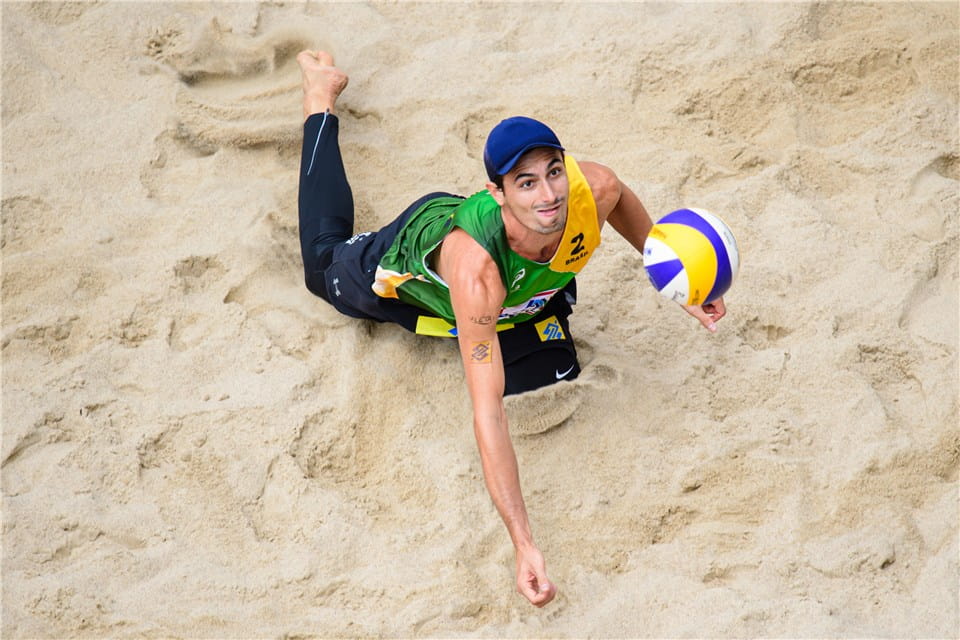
(535, 191)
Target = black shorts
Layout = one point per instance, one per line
(540, 351)
(352, 267)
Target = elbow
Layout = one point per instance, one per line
(491, 414)
(490, 422)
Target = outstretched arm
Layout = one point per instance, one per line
(619, 205)
(477, 294)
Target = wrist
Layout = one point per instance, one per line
(523, 543)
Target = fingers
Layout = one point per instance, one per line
(714, 311)
(529, 590)
(538, 592)
(719, 309)
(708, 314)
(705, 319)
(532, 581)
(545, 593)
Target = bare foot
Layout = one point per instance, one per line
(322, 82)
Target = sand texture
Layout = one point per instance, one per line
(195, 446)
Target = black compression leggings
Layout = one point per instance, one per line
(325, 199)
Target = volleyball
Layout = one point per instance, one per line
(691, 256)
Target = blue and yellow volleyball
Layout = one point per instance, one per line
(691, 256)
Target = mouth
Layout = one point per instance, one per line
(551, 212)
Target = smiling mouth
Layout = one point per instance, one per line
(551, 211)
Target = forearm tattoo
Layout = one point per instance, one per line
(481, 319)
(481, 353)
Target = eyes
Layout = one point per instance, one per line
(528, 183)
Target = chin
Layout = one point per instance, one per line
(557, 225)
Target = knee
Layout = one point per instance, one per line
(316, 284)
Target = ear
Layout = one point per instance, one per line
(496, 192)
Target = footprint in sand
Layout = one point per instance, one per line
(762, 335)
(238, 90)
(930, 308)
(325, 447)
(865, 72)
(57, 339)
(58, 13)
(25, 224)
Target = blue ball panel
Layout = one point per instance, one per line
(662, 273)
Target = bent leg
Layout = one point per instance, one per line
(325, 199)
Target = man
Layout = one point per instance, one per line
(496, 270)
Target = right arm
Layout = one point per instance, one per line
(620, 206)
(477, 294)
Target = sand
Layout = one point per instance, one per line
(195, 446)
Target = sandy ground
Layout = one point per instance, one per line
(194, 446)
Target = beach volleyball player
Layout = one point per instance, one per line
(495, 270)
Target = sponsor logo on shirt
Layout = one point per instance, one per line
(517, 278)
(531, 307)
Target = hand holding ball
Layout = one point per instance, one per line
(691, 256)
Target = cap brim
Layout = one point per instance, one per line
(505, 168)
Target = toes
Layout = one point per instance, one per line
(325, 58)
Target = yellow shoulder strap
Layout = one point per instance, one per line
(582, 232)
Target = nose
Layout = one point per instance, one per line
(547, 193)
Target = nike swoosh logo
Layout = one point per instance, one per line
(561, 376)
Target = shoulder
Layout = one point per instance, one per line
(477, 204)
(604, 184)
(479, 216)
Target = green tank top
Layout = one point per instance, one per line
(406, 270)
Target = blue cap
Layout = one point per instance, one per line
(511, 139)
